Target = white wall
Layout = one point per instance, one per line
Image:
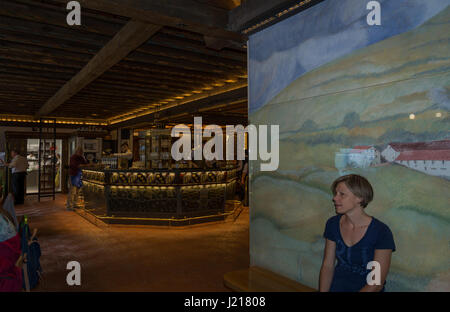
(431, 167)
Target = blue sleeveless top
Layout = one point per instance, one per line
(350, 273)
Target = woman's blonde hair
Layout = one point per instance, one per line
(358, 185)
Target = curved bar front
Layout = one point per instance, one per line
(165, 195)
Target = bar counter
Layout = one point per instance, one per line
(157, 195)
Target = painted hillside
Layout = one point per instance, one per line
(365, 98)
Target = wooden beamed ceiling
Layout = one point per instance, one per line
(128, 59)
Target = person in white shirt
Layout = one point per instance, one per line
(126, 153)
(19, 166)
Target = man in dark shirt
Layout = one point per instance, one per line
(77, 161)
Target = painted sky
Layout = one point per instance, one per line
(280, 54)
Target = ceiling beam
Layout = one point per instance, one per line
(132, 35)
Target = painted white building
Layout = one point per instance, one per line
(367, 155)
(432, 162)
(390, 154)
(357, 157)
(393, 150)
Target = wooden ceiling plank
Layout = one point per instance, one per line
(120, 76)
(22, 77)
(16, 48)
(183, 63)
(100, 85)
(66, 45)
(11, 88)
(113, 80)
(189, 45)
(34, 59)
(132, 35)
(20, 96)
(225, 4)
(150, 85)
(104, 86)
(201, 38)
(13, 47)
(187, 14)
(143, 68)
(117, 96)
(37, 67)
(188, 55)
(93, 39)
(55, 17)
(53, 6)
(51, 31)
(120, 70)
(36, 74)
(46, 42)
(190, 107)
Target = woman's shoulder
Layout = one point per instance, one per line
(384, 238)
(332, 228)
(380, 225)
(333, 220)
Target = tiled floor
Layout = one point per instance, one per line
(135, 258)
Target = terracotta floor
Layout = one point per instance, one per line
(135, 258)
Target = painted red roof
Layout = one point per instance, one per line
(433, 145)
(362, 147)
(424, 155)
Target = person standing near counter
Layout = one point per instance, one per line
(19, 166)
(77, 161)
(125, 154)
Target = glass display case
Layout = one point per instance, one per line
(159, 152)
(154, 148)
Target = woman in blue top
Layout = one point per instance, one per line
(354, 238)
